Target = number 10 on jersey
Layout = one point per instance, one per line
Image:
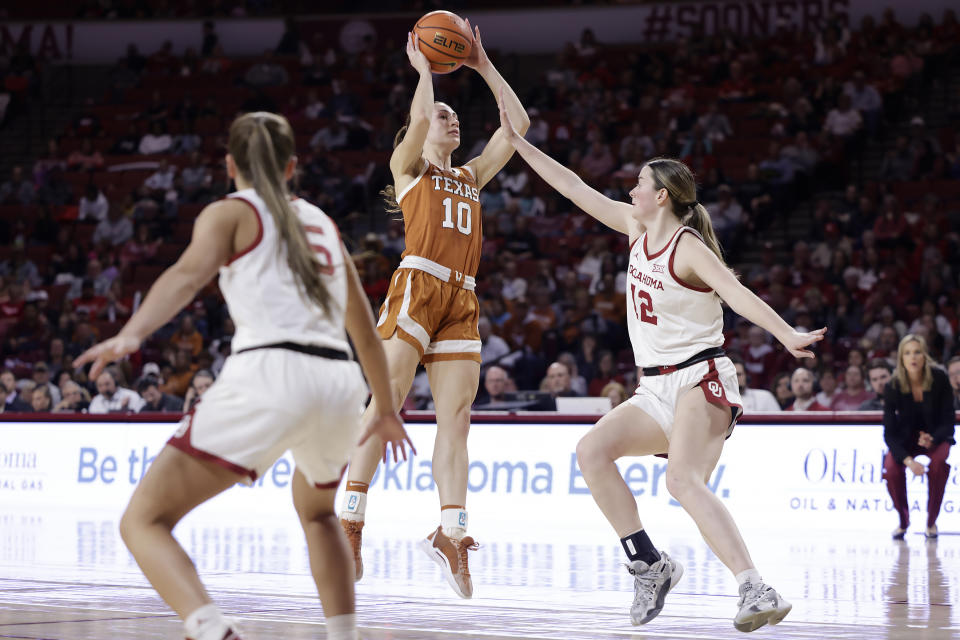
(642, 304)
(464, 216)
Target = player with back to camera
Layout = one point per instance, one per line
(431, 311)
(688, 400)
(291, 383)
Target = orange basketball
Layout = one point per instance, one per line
(445, 40)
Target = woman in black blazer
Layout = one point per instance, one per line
(918, 419)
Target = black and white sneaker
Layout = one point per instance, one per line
(759, 604)
(651, 583)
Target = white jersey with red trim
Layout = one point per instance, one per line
(669, 320)
(265, 300)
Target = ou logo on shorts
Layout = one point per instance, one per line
(715, 388)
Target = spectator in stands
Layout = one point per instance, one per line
(93, 205)
(843, 121)
(156, 400)
(539, 132)
(41, 401)
(115, 229)
(177, 382)
(86, 158)
(16, 190)
(129, 143)
(494, 387)
(21, 268)
(801, 384)
(195, 180)
(160, 182)
(112, 398)
(897, 162)
(754, 400)
(866, 99)
(266, 73)
(854, 391)
(331, 137)
(758, 356)
(828, 388)
(918, 419)
(557, 383)
(727, 215)
(75, 399)
(41, 377)
(187, 141)
(140, 248)
(8, 386)
(492, 346)
(55, 190)
(577, 382)
(615, 392)
(716, 125)
(953, 372)
(157, 140)
(781, 390)
(187, 337)
(878, 372)
(201, 381)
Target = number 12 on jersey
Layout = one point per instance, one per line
(642, 304)
(464, 216)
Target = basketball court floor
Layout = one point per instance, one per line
(66, 576)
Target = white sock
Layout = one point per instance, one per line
(342, 627)
(454, 523)
(206, 623)
(354, 506)
(750, 575)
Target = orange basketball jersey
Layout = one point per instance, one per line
(441, 219)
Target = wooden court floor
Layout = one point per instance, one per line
(74, 581)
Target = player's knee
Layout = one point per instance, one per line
(590, 454)
(127, 527)
(681, 483)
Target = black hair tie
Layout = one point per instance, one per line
(693, 204)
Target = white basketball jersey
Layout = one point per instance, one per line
(669, 320)
(264, 298)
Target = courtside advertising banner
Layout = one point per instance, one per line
(821, 476)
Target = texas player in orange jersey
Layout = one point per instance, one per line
(431, 311)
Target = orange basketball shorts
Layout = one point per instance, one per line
(436, 318)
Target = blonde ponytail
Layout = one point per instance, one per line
(681, 185)
(699, 220)
(262, 144)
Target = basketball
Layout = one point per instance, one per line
(445, 40)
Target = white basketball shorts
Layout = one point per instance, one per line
(657, 395)
(268, 401)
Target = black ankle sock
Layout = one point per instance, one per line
(638, 547)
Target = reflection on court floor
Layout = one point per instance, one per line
(66, 576)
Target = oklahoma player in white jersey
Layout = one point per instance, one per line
(687, 400)
(291, 383)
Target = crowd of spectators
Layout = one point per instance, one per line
(766, 124)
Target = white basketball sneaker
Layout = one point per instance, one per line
(651, 583)
(759, 604)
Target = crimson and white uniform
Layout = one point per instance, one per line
(671, 321)
(270, 400)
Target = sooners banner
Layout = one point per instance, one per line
(514, 31)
